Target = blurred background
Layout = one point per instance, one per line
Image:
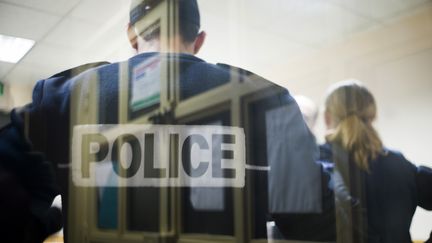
(303, 45)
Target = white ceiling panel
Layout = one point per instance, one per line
(112, 28)
(380, 9)
(72, 33)
(108, 41)
(317, 23)
(313, 22)
(52, 59)
(24, 22)
(98, 11)
(58, 7)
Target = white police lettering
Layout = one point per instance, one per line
(158, 155)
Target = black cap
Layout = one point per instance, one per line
(187, 9)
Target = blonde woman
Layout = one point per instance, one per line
(380, 186)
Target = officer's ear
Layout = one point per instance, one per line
(199, 41)
(132, 36)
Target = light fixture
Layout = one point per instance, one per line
(12, 49)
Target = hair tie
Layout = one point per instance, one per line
(365, 120)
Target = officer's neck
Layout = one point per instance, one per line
(174, 45)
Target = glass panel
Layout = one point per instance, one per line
(144, 205)
(143, 209)
(258, 143)
(107, 196)
(107, 203)
(208, 210)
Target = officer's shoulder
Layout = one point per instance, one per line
(58, 85)
(235, 69)
(75, 71)
(245, 75)
(248, 76)
(394, 160)
(392, 154)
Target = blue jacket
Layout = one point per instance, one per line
(24, 144)
(294, 178)
(394, 188)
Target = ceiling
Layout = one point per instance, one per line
(249, 33)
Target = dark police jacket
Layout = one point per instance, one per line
(294, 179)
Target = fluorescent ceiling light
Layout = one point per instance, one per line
(12, 49)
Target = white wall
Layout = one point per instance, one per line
(395, 62)
(21, 94)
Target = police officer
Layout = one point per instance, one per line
(67, 99)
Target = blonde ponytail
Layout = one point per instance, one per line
(352, 107)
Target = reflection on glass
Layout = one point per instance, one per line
(208, 210)
(107, 196)
(143, 205)
(207, 199)
(258, 138)
(143, 209)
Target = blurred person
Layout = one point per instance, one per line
(308, 109)
(50, 117)
(430, 239)
(27, 187)
(376, 189)
(4, 118)
(317, 226)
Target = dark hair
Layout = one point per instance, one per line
(188, 17)
(188, 32)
